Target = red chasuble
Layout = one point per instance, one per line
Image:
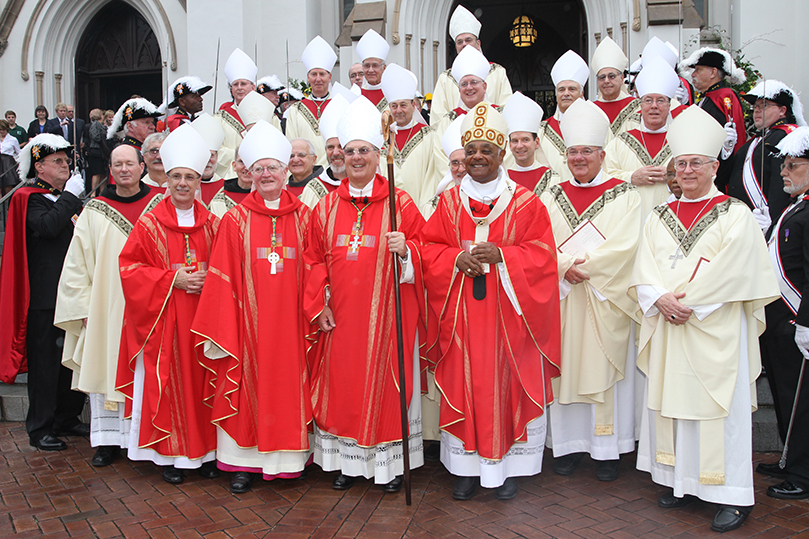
(374, 96)
(14, 288)
(495, 366)
(355, 373)
(528, 178)
(312, 106)
(653, 142)
(689, 213)
(259, 322)
(613, 108)
(157, 321)
(209, 190)
(583, 197)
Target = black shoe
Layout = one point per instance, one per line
(607, 470)
(79, 429)
(729, 518)
(172, 475)
(241, 482)
(49, 442)
(773, 470)
(788, 491)
(105, 454)
(343, 482)
(393, 486)
(507, 490)
(465, 487)
(566, 465)
(669, 501)
(208, 470)
(432, 453)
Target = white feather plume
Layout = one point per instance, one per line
(43, 140)
(736, 74)
(795, 144)
(117, 127)
(770, 88)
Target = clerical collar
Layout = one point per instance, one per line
(622, 94)
(485, 193)
(644, 129)
(329, 177)
(212, 179)
(111, 192)
(324, 98)
(532, 166)
(185, 218)
(412, 123)
(364, 192)
(712, 192)
(317, 171)
(366, 86)
(232, 186)
(467, 109)
(272, 204)
(598, 180)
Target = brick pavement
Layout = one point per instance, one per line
(60, 494)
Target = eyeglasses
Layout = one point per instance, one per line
(792, 166)
(300, 155)
(272, 169)
(473, 83)
(372, 65)
(695, 164)
(59, 161)
(186, 177)
(153, 151)
(455, 163)
(660, 101)
(586, 152)
(611, 76)
(365, 150)
(761, 105)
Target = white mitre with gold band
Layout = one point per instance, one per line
(484, 123)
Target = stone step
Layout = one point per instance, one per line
(14, 401)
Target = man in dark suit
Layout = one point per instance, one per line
(785, 342)
(79, 131)
(38, 233)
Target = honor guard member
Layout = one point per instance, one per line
(211, 131)
(464, 29)
(269, 88)
(133, 122)
(240, 71)
(785, 343)
(303, 117)
(569, 75)
(755, 178)
(639, 156)
(698, 336)
(524, 116)
(609, 64)
(185, 95)
(413, 143)
(90, 300)
(38, 231)
(593, 412)
(335, 173)
(711, 71)
(373, 51)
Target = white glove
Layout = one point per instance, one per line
(763, 219)
(730, 141)
(802, 339)
(75, 185)
(681, 94)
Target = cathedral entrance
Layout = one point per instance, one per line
(555, 25)
(118, 56)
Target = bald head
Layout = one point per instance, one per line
(124, 151)
(126, 167)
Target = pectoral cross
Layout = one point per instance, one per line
(675, 257)
(273, 259)
(357, 241)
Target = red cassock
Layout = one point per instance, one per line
(495, 366)
(157, 321)
(355, 381)
(260, 395)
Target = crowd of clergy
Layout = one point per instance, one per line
(604, 281)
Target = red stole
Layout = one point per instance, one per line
(527, 178)
(260, 392)
(583, 197)
(495, 366)
(230, 108)
(725, 100)
(553, 123)
(374, 96)
(613, 108)
(676, 112)
(355, 382)
(653, 142)
(157, 322)
(209, 189)
(689, 213)
(15, 290)
(312, 106)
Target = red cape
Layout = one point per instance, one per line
(14, 288)
(726, 100)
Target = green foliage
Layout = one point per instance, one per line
(300, 85)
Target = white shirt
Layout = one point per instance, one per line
(10, 146)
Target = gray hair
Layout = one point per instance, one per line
(154, 138)
(309, 143)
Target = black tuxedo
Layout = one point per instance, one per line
(772, 184)
(780, 355)
(48, 232)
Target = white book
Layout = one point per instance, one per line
(585, 238)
